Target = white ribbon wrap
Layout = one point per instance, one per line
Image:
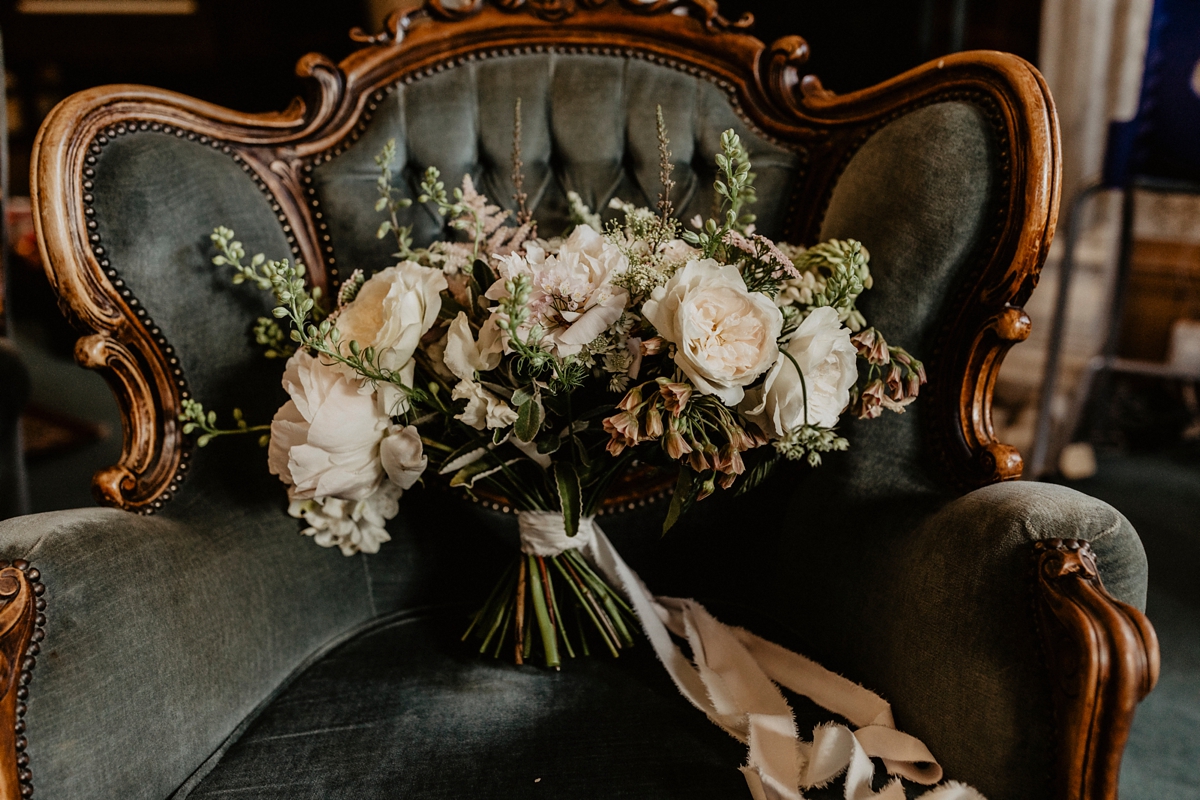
(733, 680)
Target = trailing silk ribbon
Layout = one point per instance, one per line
(733, 680)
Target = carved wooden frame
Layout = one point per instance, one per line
(22, 617)
(1102, 653)
(1103, 659)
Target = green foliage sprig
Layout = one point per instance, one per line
(735, 190)
(392, 201)
(196, 418)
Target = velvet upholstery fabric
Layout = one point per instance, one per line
(165, 634)
(588, 126)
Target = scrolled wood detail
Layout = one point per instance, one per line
(1103, 659)
(21, 619)
(766, 88)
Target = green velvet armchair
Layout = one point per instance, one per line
(186, 641)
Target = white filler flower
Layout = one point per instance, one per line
(823, 351)
(724, 335)
(353, 526)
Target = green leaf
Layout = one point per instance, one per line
(529, 420)
(522, 396)
(570, 495)
(475, 470)
(549, 444)
(681, 501)
(756, 475)
(483, 274)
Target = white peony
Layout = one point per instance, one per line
(828, 359)
(325, 440)
(390, 313)
(352, 525)
(573, 298)
(724, 335)
(403, 455)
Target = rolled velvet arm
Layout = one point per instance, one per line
(143, 641)
(988, 628)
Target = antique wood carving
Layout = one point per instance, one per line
(21, 619)
(765, 84)
(1103, 659)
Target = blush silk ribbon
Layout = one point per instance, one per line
(732, 678)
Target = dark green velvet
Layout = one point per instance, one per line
(588, 126)
(917, 195)
(935, 612)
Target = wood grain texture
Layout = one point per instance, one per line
(1103, 658)
(21, 619)
(765, 84)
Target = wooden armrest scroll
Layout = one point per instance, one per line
(21, 620)
(1103, 659)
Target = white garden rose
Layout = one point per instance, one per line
(573, 298)
(822, 349)
(403, 456)
(325, 440)
(353, 526)
(390, 313)
(724, 335)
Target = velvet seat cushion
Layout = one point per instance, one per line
(405, 710)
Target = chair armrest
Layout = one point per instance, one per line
(160, 636)
(942, 617)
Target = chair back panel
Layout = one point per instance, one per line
(129, 181)
(587, 126)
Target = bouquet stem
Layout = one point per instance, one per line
(544, 587)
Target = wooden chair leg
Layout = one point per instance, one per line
(21, 620)
(1103, 659)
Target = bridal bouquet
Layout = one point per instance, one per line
(541, 370)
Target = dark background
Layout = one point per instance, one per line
(241, 53)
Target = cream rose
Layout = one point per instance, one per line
(724, 335)
(573, 298)
(390, 313)
(325, 440)
(822, 349)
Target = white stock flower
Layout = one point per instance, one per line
(351, 525)
(463, 357)
(573, 298)
(403, 456)
(828, 359)
(390, 313)
(724, 335)
(325, 440)
(484, 409)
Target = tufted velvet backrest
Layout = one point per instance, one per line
(945, 173)
(588, 126)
